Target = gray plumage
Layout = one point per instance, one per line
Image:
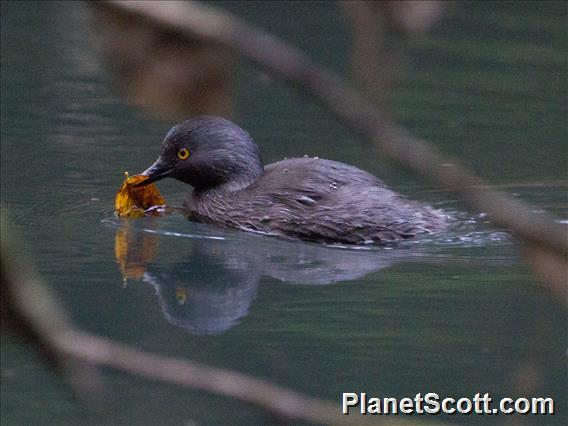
(300, 198)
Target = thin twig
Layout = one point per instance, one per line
(355, 112)
(32, 312)
(285, 403)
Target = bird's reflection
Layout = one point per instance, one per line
(207, 285)
(208, 293)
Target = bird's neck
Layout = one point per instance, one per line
(236, 183)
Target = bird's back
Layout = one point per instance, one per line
(319, 200)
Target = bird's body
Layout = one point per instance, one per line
(317, 200)
(309, 199)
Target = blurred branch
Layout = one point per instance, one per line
(196, 21)
(31, 312)
(159, 70)
(372, 63)
(374, 26)
(288, 405)
(550, 268)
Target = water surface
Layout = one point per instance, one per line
(456, 314)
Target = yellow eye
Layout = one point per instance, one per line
(183, 154)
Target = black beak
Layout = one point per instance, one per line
(159, 170)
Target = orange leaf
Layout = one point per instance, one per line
(132, 201)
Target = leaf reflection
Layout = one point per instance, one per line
(212, 287)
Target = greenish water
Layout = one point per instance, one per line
(456, 315)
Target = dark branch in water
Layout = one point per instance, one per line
(288, 405)
(196, 21)
(31, 312)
